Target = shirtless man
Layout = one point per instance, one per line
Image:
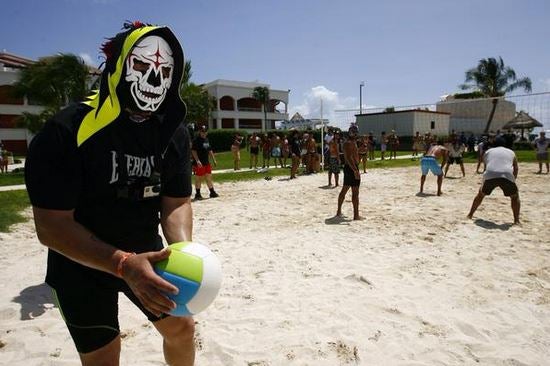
(363, 151)
(383, 145)
(311, 147)
(418, 142)
(254, 145)
(276, 151)
(541, 144)
(334, 159)
(352, 176)
(429, 163)
(393, 143)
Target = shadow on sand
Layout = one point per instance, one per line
(491, 225)
(327, 187)
(337, 220)
(419, 194)
(33, 300)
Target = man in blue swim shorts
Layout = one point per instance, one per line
(429, 163)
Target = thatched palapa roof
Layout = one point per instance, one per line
(522, 120)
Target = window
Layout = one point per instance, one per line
(432, 125)
(7, 96)
(228, 123)
(226, 103)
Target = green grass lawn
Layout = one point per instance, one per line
(12, 203)
(10, 179)
(225, 159)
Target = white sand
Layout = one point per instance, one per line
(415, 284)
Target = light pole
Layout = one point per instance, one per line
(322, 138)
(361, 97)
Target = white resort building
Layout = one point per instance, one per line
(237, 108)
(235, 105)
(451, 114)
(13, 138)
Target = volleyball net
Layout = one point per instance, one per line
(471, 115)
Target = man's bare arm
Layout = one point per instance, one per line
(213, 156)
(196, 157)
(58, 230)
(516, 167)
(177, 219)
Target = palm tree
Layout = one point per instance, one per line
(52, 82)
(261, 94)
(493, 80)
(199, 103)
(187, 73)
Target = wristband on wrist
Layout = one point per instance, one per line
(121, 261)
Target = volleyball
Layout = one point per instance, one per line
(196, 272)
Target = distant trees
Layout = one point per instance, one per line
(199, 102)
(492, 79)
(52, 82)
(261, 94)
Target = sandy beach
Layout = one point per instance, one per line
(416, 283)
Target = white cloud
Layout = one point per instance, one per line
(311, 106)
(545, 84)
(87, 59)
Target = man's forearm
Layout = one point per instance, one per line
(177, 219)
(60, 232)
(195, 156)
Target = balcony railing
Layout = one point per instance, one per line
(246, 109)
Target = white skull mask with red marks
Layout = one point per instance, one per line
(149, 69)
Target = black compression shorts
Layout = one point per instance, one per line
(508, 187)
(91, 313)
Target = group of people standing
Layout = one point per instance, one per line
(500, 169)
(296, 148)
(500, 166)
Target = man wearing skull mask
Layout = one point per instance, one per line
(101, 176)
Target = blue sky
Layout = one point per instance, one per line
(407, 52)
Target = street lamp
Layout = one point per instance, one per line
(361, 97)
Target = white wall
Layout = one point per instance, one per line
(471, 115)
(16, 134)
(404, 123)
(423, 122)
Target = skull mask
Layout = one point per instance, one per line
(149, 69)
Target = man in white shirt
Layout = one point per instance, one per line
(541, 144)
(501, 171)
